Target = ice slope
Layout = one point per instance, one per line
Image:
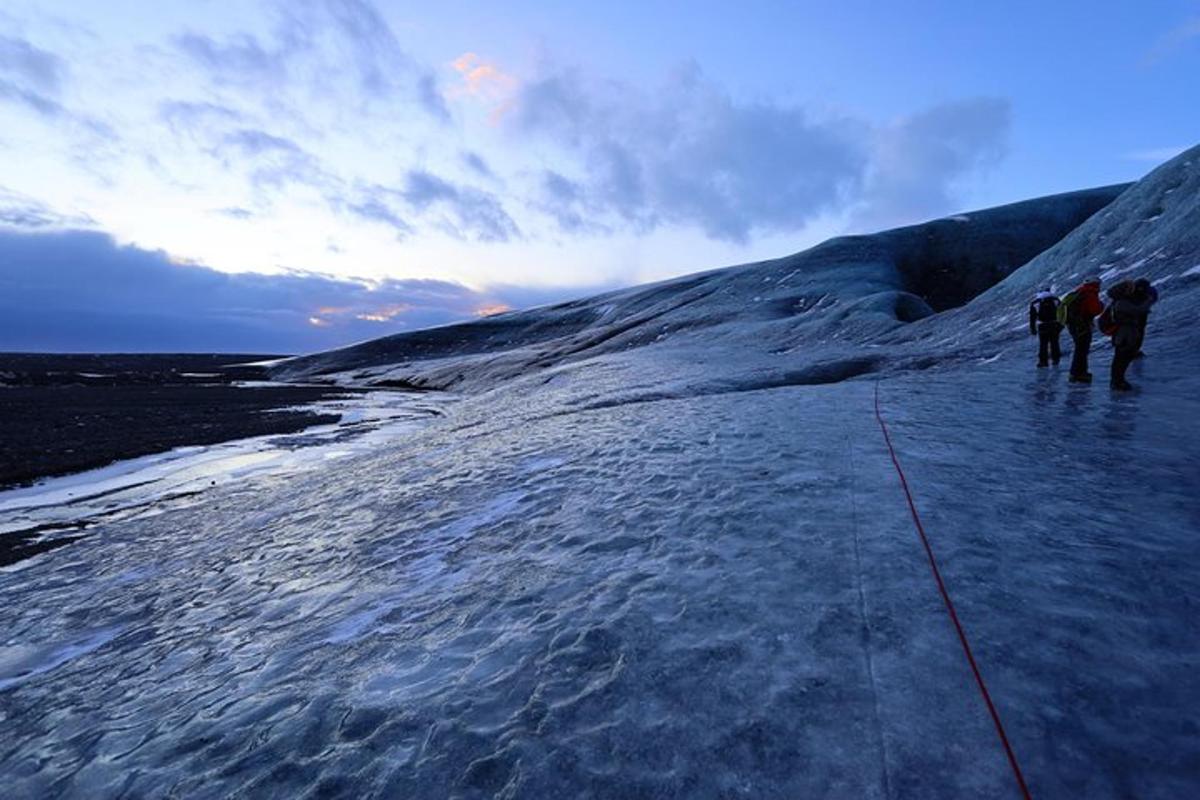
(1151, 230)
(669, 567)
(850, 288)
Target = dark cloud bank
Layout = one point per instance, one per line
(78, 291)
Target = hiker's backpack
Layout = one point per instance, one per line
(1066, 308)
(1107, 321)
(1047, 309)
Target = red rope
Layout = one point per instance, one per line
(962, 636)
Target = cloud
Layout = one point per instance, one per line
(80, 291)
(385, 71)
(41, 69)
(39, 103)
(235, 212)
(430, 97)
(318, 48)
(243, 60)
(482, 79)
(374, 48)
(275, 161)
(192, 118)
(471, 213)
(1173, 40)
(377, 204)
(30, 76)
(918, 160)
(566, 201)
(461, 211)
(477, 164)
(34, 78)
(21, 211)
(1156, 155)
(256, 143)
(688, 154)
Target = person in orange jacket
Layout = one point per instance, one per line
(1082, 309)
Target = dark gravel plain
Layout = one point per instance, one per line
(67, 413)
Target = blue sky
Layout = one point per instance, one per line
(353, 153)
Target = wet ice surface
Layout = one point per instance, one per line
(664, 598)
(63, 506)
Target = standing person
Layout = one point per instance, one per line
(1130, 304)
(1152, 295)
(1080, 308)
(1043, 323)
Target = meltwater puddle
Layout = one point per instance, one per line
(60, 507)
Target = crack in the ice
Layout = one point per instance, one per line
(865, 637)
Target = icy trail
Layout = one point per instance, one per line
(570, 607)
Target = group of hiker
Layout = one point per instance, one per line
(1124, 319)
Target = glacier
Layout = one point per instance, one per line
(653, 545)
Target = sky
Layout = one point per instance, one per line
(283, 176)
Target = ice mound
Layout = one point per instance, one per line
(850, 288)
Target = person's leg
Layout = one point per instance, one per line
(1079, 358)
(1043, 345)
(1055, 349)
(1122, 356)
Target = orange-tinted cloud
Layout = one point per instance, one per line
(485, 82)
(494, 308)
(384, 314)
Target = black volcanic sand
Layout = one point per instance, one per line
(55, 421)
(21, 545)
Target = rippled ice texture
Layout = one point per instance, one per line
(672, 598)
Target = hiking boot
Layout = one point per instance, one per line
(1081, 379)
(1042, 364)
(1122, 386)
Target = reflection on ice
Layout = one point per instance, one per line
(20, 662)
(150, 484)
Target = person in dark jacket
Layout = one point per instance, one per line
(1085, 307)
(1143, 285)
(1130, 305)
(1043, 323)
